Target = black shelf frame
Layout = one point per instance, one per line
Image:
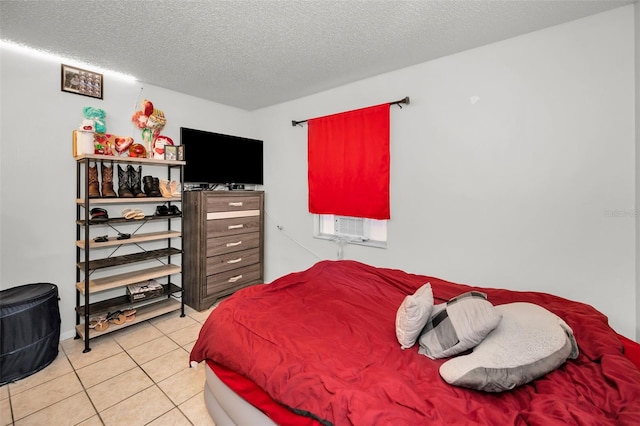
(83, 224)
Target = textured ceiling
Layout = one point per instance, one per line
(251, 53)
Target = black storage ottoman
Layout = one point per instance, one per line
(29, 330)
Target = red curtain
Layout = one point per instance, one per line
(349, 163)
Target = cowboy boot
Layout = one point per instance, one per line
(151, 186)
(135, 181)
(94, 187)
(107, 181)
(124, 189)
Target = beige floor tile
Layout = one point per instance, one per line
(186, 335)
(77, 345)
(4, 392)
(189, 346)
(119, 388)
(136, 335)
(167, 365)
(103, 370)
(172, 322)
(92, 421)
(69, 411)
(138, 410)
(196, 411)
(44, 395)
(59, 367)
(153, 349)
(200, 316)
(5, 413)
(173, 418)
(184, 384)
(101, 348)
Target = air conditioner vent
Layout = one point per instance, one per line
(354, 227)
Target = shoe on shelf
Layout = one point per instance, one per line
(99, 215)
(165, 189)
(151, 186)
(162, 210)
(133, 214)
(174, 188)
(135, 179)
(99, 323)
(174, 210)
(124, 187)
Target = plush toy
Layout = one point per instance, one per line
(158, 146)
(98, 116)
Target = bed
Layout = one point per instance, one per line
(321, 346)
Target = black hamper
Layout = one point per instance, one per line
(29, 330)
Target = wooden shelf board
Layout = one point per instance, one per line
(123, 302)
(136, 238)
(132, 160)
(143, 313)
(128, 200)
(120, 280)
(117, 220)
(126, 259)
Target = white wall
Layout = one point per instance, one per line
(37, 173)
(516, 190)
(528, 188)
(637, 211)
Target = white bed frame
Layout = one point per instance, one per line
(227, 408)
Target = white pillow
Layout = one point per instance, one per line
(528, 343)
(412, 315)
(458, 325)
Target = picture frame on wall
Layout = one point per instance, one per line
(81, 82)
(180, 153)
(170, 152)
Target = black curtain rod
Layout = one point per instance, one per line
(405, 101)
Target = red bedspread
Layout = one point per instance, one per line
(323, 343)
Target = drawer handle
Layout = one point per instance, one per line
(235, 226)
(235, 260)
(234, 279)
(236, 204)
(237, 243)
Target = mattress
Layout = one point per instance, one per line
(321, 344)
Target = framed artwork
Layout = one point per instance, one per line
(180, 155)
(81, 82)
(170, 152)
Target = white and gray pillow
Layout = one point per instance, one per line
(412, 315)
(529, 342)
(458, 325)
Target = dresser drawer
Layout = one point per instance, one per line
(228, 282)
(225, 204)
(232, 243)
(233, 226)
(229, 261)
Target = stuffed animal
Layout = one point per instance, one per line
(98, 116)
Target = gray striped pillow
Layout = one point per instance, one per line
(458, 325)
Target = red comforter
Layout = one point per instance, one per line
(322, 342)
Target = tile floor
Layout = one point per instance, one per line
(136, 376)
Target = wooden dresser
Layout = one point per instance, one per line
(222, 243)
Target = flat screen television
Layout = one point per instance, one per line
(215, 158)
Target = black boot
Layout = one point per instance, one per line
(151, 186)
(124, 189)
(135, 181)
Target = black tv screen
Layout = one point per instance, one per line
(215, 158)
